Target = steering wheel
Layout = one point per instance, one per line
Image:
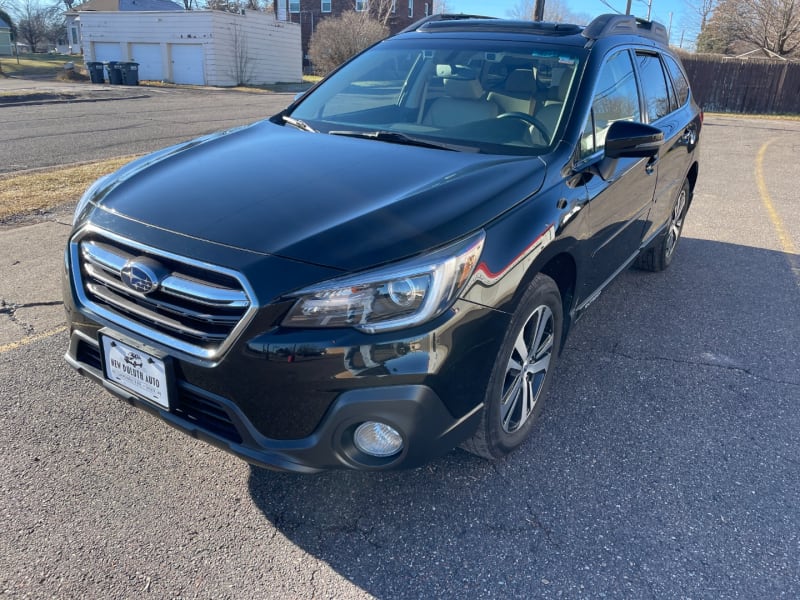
(530, 120)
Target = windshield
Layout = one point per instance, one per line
(466, 95)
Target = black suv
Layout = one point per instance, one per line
(389, 267)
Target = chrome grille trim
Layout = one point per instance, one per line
(197, 317)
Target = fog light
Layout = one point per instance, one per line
(377, 439)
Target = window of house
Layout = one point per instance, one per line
(361, 5)
(410, 8)
(654, 85)
(294, 6)
(427, 9)
(326, 6)
(616, 98)
(394, 7)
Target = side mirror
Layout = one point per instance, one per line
(632, 140)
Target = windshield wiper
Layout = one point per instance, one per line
(298, 123)
(393, 137)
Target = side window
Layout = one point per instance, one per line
(654, 85)
(678, 79)
(615, 99)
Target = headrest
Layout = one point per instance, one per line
(468, 89)
(520, 80)
(456, 72)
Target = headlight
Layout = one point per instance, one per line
(88, 196)
(394, 297)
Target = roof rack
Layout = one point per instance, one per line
(610, 24)
(504, 26)
(441, 17)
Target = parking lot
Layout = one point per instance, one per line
(665, 464)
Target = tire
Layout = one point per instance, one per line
(524, 364)
(659, 257)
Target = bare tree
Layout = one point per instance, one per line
(382, 10)
(442, 7)
(234, 6)
(241, 70)
(773, 25)
(36, 22)
(337, 39)
(554, 11)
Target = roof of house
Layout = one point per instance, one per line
(4, 25)
(127, 5)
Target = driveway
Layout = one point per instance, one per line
(665, 464)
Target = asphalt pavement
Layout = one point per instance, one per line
(665, 464)
(80, 122)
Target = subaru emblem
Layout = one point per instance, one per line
(141, 275)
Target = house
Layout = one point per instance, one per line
(202, 47)
(73, 17)
(6, 49)
(309, 13)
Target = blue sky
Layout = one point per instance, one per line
(660, 10)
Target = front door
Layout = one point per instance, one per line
(619, 205)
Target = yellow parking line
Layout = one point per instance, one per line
(787, 245)
(31, 339)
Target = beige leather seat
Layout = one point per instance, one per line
(463, 103)
(518, 92)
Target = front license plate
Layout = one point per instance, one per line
(136, 371)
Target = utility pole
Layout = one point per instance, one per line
(538, 10)
(628, 7)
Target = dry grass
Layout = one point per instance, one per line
(37, 64)
(45, 189)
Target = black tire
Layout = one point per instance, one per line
(509, 413)
(659, 257)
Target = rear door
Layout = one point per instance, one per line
(666, 94)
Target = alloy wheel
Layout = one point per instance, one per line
(527, 369)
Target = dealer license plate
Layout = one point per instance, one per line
(136, 371)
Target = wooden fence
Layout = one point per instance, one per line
(752, 86)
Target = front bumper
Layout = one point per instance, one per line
(428, 428)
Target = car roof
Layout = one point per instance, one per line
(602, 27)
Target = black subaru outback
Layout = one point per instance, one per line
(389, 267)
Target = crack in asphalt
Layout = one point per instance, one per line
(10, 309)
(699, 363)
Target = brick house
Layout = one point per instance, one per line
(309, 13)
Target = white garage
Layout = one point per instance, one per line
(106, 51)
(187, 63)
(150, 59)
(202, 47)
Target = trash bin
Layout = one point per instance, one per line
(96, 72)
(130, 73)
(114, 72)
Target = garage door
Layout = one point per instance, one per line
(105, 51)
(149, 58)
(187, 64)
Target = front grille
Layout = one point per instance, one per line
(195, 307)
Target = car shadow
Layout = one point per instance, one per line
(674, 397)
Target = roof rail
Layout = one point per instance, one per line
(610, 24)
(440, 17)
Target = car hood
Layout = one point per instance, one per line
(339, 202)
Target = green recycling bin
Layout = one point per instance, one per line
(114, 72)
(96, 73)
(130, 73)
